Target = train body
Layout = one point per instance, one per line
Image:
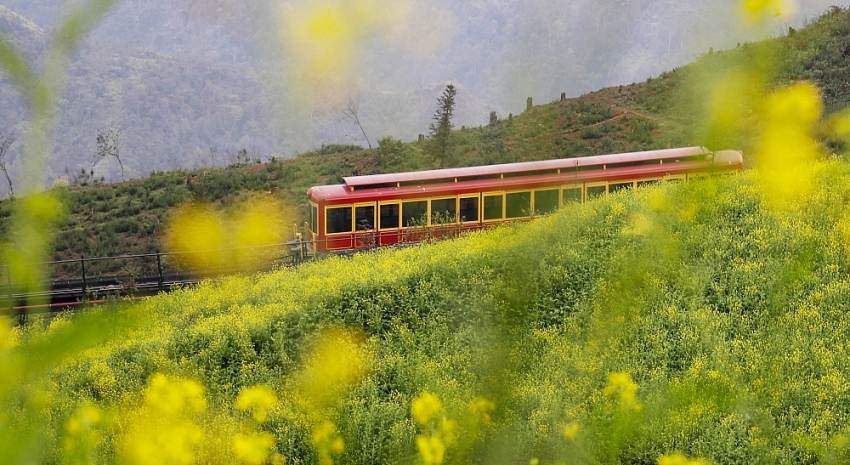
(385, 209)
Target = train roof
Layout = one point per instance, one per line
(513, 174)
(522, 167)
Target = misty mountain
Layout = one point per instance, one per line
(192, 82)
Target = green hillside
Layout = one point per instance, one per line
(669, 110)
(616, 331)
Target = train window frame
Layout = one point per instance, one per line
(374, 216)
(381, 204)
(401, 212)
(328, 208)
(484, 195)
(639, 183)
(534, 200)
(528, 213)
(478, 208)
(620, 183)
(431, 210)
(571, 187)
(592, 185)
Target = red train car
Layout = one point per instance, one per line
(384, 209)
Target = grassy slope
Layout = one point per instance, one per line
(731, 320)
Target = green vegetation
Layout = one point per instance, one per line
(616, 331)
(678, 323)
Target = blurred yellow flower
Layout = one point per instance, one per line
(8, 335)
(327, 442)
(482, 407)
(162, 432)
(207, 240)
(677, 458)
(787, 151)
(570, 431)
(83, 420)
(197, 232)
(258, 399)
(175, 396)
(336, 361)
(425, 407)
(621, 386)
(757, 10)
(253, 449)
(431, 449)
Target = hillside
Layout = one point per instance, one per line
(106, 219)
(617, 331)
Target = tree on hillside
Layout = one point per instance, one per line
(441, 126)
(109, 144)
(6, 141)
(351, 110)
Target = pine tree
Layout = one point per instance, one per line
(441, 127)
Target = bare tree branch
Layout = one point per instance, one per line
(351, 110)
(109, 144)
(6, 141)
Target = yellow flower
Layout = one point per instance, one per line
(174, 396)
(482, 407)
(253, 449)
(327, 442)
(677, 458)
(787, 150)
(620, 384)
(757, 10)
(431, 448)
(198, 232)
(338, 446)
(425, 407)
(258, 399)
(570, 431)
(336, 362)
(84, 420)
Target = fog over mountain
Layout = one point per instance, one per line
(192, 82)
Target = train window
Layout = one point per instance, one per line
(647, 182)
(469, 209)
(444, 211)
(314, 218)
(364, 217)
(518, 204)
(546, 201)
(595, 191)
(389, 216)
(414, 213)
(339, 220)
(493, 207)
(616, 187)
(572, 194)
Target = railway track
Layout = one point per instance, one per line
(85, 282)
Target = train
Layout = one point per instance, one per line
(397, 208)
